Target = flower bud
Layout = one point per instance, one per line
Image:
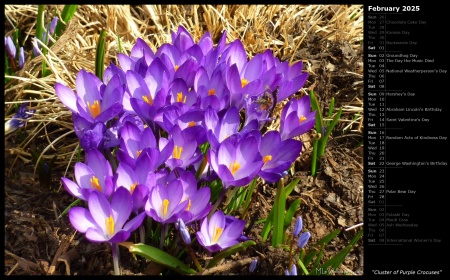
(53, 25)
(298, 226)
(184, 232)
(303, 239)
(293, 270)
(10, 47)
(21, 58)
(253, 265)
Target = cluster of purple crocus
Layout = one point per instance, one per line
(144, 124)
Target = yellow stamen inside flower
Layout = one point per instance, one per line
(164, 206)
(177, 152)
(138, 153)
(302, 119)
(191, 124)
(217, 234)
(148, 100)
(234, 167)
(109, 223)
(95, 184)
(176, 68)
(180, 97)
(189, 205)
(211, 92)
(244, 82)
(132, 187)
(94, 109)
(267, 158)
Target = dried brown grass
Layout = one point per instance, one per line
(282, 28)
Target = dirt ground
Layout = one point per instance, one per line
(37, 242)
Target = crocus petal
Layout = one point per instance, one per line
(81, 219)
(67, 97)
(88, 85)
(96, 235)
(120, 236)
(72, 188)
(121, 206)
(83, 175)
(99, 208)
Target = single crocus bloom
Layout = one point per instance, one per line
(94, 101)
(105, 221)
(95, 174)
(198, 199)
(216, 234)
(129, 178)
(10, 47)
(236, 160)
(277, 155)
(221, 126)
(165, 203)
(185, 149)
(133, 142)
(19, 119)
(296, 118)
(21, 58)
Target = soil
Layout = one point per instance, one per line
(39, 242)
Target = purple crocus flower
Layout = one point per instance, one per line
(129, 178)
(182, 39)
(19, 119)
(296, 118)
(52, 26)
(198, 199)
(165, 203)
(133, 142)
(236, 161)
(95, 174)
(105, 221)
(92, 136)
(212, 91)
(21, 58)
(292, 80)
(277, 155)
(216, 234)
(185, 149)
(221, 126)
(10, 47)
(94, 101)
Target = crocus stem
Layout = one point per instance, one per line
(194, 258)
(110, 158)
(115, 255)
(219, 199)
(163, 236)
(142, 233)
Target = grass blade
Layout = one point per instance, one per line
(158, 256)
(290, 213)
(278, 222)
(66, 15)
(230, 251)
(100, 55)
